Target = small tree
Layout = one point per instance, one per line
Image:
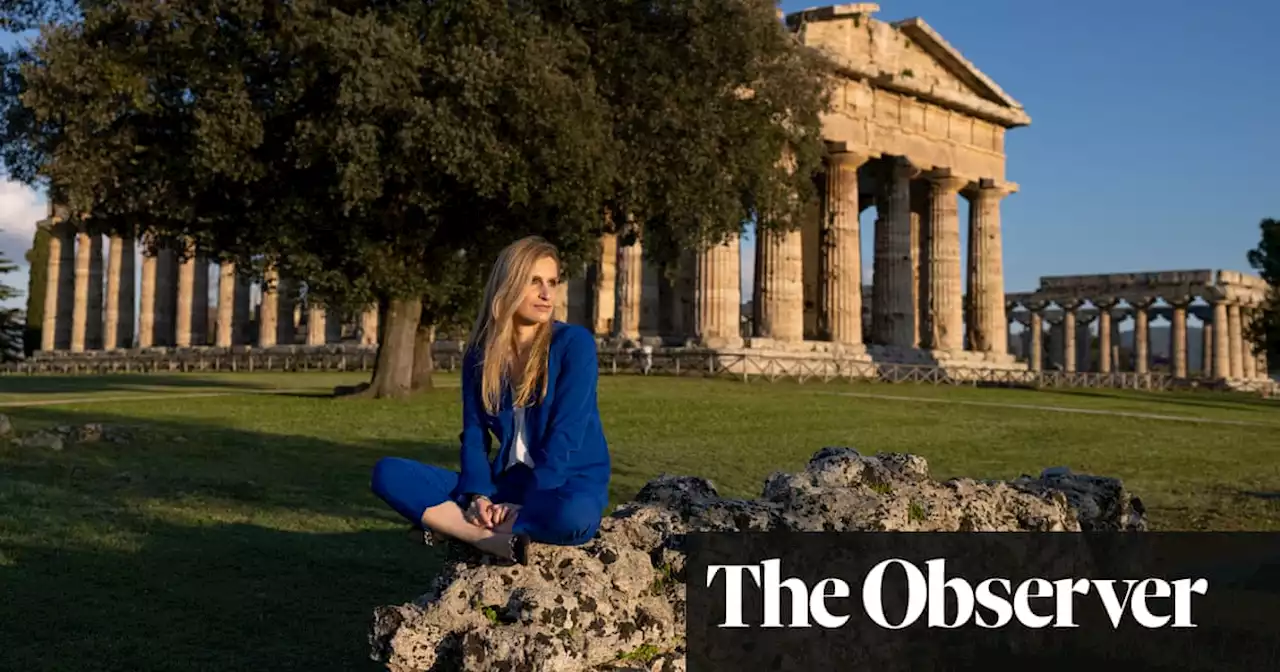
(37, 282)
(1264, 331)
(11, 319)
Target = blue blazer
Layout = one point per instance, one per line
(566, 437)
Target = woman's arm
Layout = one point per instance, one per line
(476, 477)
(574, 405)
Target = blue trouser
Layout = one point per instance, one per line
(561, 517)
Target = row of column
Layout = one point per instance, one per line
(172, 303)
(1225, 352)
(917, 293)
(917, 297)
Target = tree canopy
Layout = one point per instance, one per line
(37, 279)
(384, 152)
(1264, 332)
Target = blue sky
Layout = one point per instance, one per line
(1153, 143)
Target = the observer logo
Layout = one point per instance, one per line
(1035, 603)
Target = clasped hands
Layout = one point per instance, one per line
(486, 514)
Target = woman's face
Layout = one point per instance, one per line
(539, 301)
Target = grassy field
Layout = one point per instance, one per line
(235, 530)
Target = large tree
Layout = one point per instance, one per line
(384, 152)
(1264, 331)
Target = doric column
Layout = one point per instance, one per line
(944, 315)
(369, 325)
(718, 293)
(1207, 354)
(892, 313)
(1221, 340)
(779, 286)
(1037, 334)
(233, 306)
(186, 298)
(1069, 335)
(840, 287)
(1141, 337)
(1178, 340)
(80, 312)
(118, 332)
(630, 290)
(147, 301)
(603, 277)
(1235, 342)
(1104, 335)
(1248, 360)
(269, 309)
(158, 299)
(226, 305)
(986, 267)
(60, 288)
(88, 297)
(316, 323)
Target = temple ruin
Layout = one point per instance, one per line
(1223, 302)
(914, 127)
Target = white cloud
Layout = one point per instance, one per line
(20, 208)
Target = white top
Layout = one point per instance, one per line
(520, 446)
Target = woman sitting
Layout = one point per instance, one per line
(528, 381)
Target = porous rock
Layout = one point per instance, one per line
(618, 601)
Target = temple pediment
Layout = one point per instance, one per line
(908, 57)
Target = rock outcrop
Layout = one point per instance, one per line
(59, 436)
(617, 602)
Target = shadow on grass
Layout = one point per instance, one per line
(137, 555)
(123, 383)
(222, 597)
(1218, 400)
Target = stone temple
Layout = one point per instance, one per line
(914, 128)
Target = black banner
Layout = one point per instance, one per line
(1087, 602)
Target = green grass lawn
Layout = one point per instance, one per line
(236, 531)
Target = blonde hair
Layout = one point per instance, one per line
(493, 338)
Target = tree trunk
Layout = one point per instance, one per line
(393, 371)
(423, 361)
